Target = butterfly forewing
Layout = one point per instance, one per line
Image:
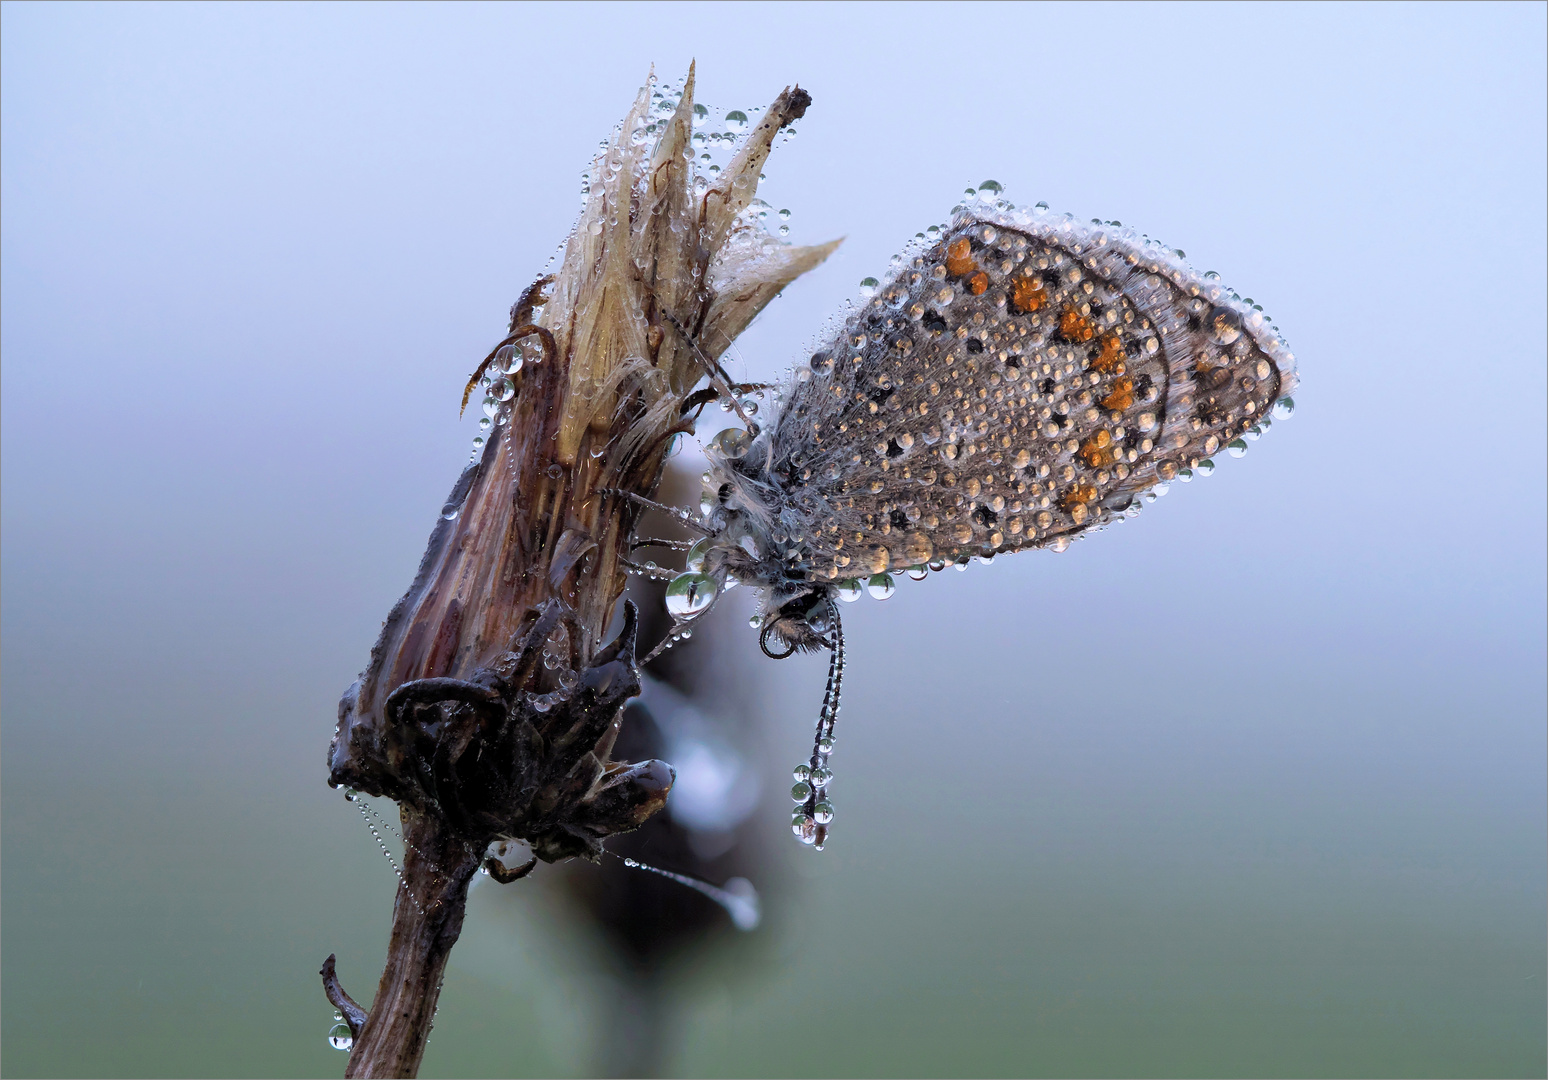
(1013, 385)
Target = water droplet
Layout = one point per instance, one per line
(1225, 326)
(990, 189)
(450, 515)
(491, 405)
(1284, 408)
(478, 441)
(339, 1037)
(800, 790)
(822, 777)
(868, 286)
(804, 828)
(822, 813)
(736, 120)
(694, 560)
(674, 445)
(802, 773)
(755, 621)
(848, 590)
(503, 390)
(1205, 467)
(1236, 447)
(555, 471)
(732, 443)
(690, 594)
(700, 111)
(918, 573)
(881, 586)
(825, 745)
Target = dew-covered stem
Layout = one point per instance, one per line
(426, 922)
(491, 703)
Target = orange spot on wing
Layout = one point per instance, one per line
(1027, 295)
(1074, 326)
(1121, 397)
(978, 284)
(1095, 452)
(959, 258)
(1110, 359)
(1078, 495)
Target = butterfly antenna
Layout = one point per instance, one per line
(737, 897)
(816, 812)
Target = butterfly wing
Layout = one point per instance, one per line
(1015, 384)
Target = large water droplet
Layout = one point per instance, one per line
(848, 590)
(823, 812)
(804, 828)
(1236, 447)
(694, 560)
(339, 1037)
(990, 189)
(868, 287)
(800, 790)
(822, 776)
(503, 389)
(881, 586)
(1284, 408)
(732, 443)
(736, 120)
(1225, 326)
(688, 595)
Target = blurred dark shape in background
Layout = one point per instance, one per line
(695, 711)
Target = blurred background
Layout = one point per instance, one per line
(1293, 825)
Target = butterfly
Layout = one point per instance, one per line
(1020, 381)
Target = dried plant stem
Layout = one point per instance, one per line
(426, 922)
(490, 705)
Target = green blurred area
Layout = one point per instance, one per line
(180, 934)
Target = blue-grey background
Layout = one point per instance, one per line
(1253, 785)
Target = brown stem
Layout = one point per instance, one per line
(454, 718)
(353, 1014)
(426, 922)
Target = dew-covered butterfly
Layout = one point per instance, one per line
(1020, 380)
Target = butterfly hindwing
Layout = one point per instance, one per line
(1013, 385)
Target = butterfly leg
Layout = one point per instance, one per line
(682, 516)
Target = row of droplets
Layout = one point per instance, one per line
(814, 805)
(990, 195)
